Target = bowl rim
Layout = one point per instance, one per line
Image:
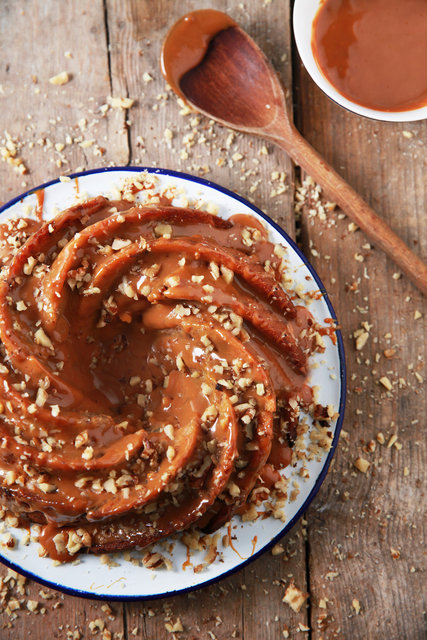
(302, 26)
(341, 409)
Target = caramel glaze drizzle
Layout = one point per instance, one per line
(187, 43)
(152, 372)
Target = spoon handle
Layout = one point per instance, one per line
(339, 191)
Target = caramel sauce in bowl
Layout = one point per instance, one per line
(367, 56)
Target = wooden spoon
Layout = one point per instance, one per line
(212, 64)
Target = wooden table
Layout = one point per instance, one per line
(360, 549)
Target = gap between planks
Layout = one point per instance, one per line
(295, 104)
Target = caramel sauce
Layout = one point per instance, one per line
(374, 52)
(329, 330)
(187, 43)
(254, 543)
(230, 542)
(187, 562)
(39, 206)
(46, 537)
(151, 366)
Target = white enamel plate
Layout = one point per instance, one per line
(123, 579)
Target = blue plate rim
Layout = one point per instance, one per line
(288, 526)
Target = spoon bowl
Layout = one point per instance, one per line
(214, 65)
(257, 101)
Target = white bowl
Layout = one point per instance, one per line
(304, 14)
(123, 580)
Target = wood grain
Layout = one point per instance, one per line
(342, 550)
(136, 33)
(362, 517)
(35, 36)
(40, 114)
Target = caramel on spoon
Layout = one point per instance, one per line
(212, 64)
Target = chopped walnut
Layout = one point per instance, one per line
(41, 338)
(362, 465)
(121, 103)
(60, 78)
(294, 597)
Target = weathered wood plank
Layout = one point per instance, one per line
(35, 37)
(136, 31)
(359, 518)
(40, 40)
